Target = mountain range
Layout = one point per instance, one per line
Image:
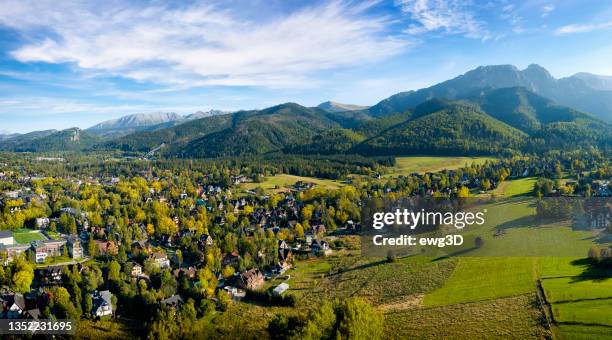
(145, 122)
(488, 110)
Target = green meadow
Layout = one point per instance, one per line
(408, 165)
(283, 182)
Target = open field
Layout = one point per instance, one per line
(383, 282)
(24, 236)
(581, 332)
(408, 165)
(104, 329)
(575, 288)
(517, 187)
(476, 279)
(586, 312)
(513, 317)
(284, 181)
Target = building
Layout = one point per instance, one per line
(251, 279)
(107, 247)
(42, 222)
(74, 248)
(173, 302)
(136, 270)
(280, 289)
(13, 306)
(320, 247)
(161, 259)
(47, 248)
(6, 238)
(13, 251)
(230, 259)
(235, 293)
(102, 303)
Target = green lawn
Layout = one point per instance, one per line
(285, 181)
(581, 332)
(588, 312)
(407, 165)
(517, 187)
(570, 288)
(24, 236)
(476, 279)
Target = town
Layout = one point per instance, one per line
(184, 242)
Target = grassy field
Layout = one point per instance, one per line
(104, 329)
(476, 279)
(573, 288)
(283, 182)
(587, 312)
(382, 282)
(24, 236)
(408, 165)
(581, 332)
(514, 317)
(517, 187)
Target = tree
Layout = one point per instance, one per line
(359, 320)
(87, 303)
(463, 192)
(23, 275)
(228, 272)
(114, 271)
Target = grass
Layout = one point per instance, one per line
(24, 236)
(382, 282)
(104, 329)
(587, 312)
(569, 288)
(581, 332)
(517, 187)
(408, 165)
(476, 279)
(306, 275)
(284, 181)
(513, 317)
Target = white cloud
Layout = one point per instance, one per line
(199, 44)
(547, 9)
(448, 16)
(578, 28)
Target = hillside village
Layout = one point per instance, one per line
(169, 238)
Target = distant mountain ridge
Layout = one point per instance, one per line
(331, 106)
(595, 81)
(488, 110)
(571, 91)
(145, 121)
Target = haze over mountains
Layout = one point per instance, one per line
(488, 110)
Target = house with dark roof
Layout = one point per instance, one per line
(102, 303)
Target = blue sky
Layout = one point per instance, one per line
(76, 63)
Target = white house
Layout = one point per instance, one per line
(102, 303)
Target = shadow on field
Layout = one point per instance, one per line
(592, 271)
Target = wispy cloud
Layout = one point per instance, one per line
(583, 28)
(447, 16)
(199, 44)
(547, 9)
